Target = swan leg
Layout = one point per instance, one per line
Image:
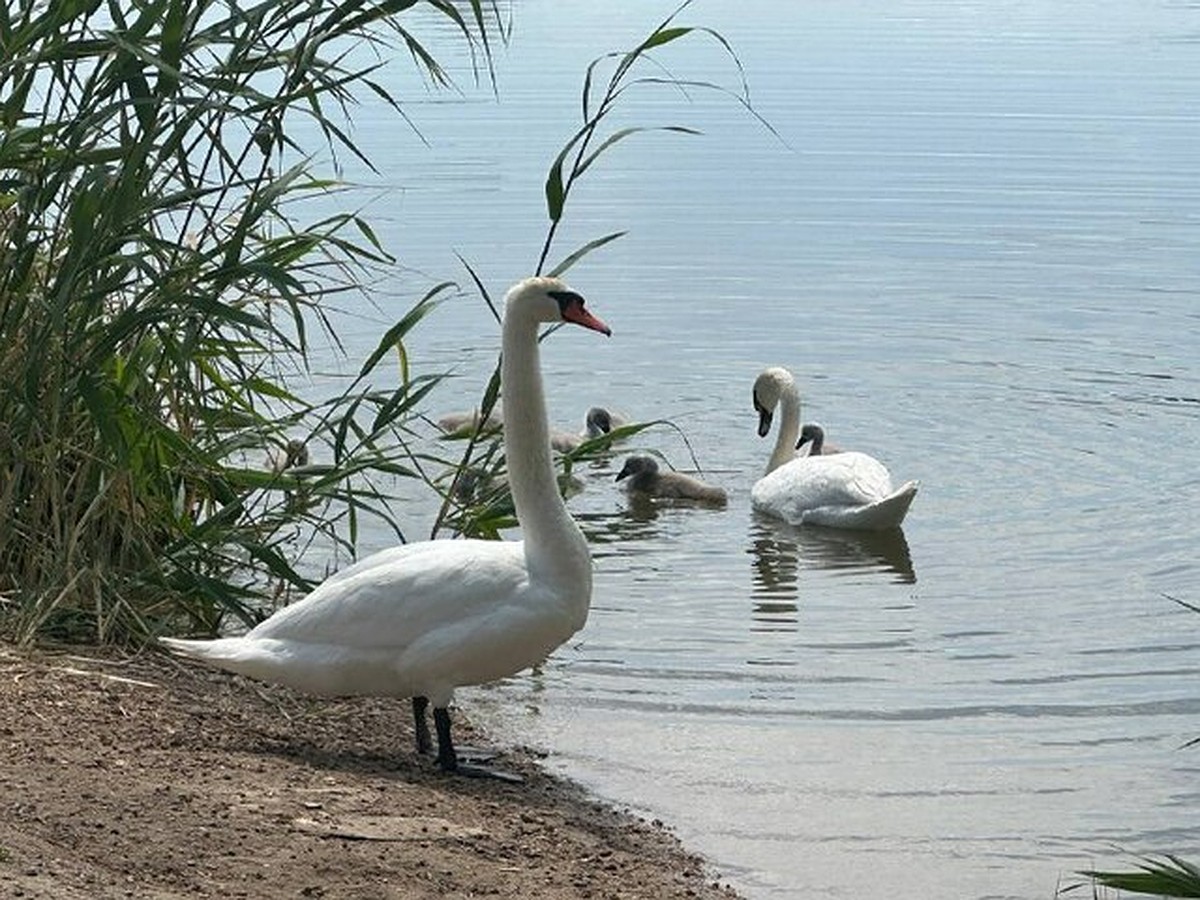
(448, 759)
(424, 738)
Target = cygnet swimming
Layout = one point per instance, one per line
(597, 422)
(813, 435)
(645, 478)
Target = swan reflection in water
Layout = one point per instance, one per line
(780, 551)
(636, 523)
(640, 518)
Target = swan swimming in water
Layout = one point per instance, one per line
(422, 619)
(646, 479)
(844, 490)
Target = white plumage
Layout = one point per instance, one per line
(844, 490)
(419, 620)
(415, 620)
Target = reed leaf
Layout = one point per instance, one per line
(1168, 876)
(159, 285)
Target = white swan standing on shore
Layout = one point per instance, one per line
(421, 619)
(844, 490)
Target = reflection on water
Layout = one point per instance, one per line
(775, 564)
(780, 552)
(637, 519)
(602, 528)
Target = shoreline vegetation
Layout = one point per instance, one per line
(142, 776)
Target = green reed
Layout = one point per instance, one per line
(159, 286)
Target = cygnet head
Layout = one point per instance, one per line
(768, 388)
(294, 455)
(638, 466)
(599, 421)
(545, 299)
(813, 432)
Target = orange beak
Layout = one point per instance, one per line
(580, 316)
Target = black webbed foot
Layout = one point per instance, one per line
(470, 770)
(466, 764)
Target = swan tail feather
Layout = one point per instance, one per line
(266, 660)
(213, 651)
(890, 512)
(880, 516)
(258, 659)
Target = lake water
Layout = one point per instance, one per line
(974, 241)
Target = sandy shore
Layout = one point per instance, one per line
(146, 777)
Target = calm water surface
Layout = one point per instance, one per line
(975, 244)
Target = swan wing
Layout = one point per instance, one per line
(385, 598)
(834, 490)
(419, 619)
(877, 516)
(847, 479)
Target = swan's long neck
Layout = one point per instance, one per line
(789, 425)
(555, 548)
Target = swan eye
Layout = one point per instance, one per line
(570, 309)
(565, 300)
